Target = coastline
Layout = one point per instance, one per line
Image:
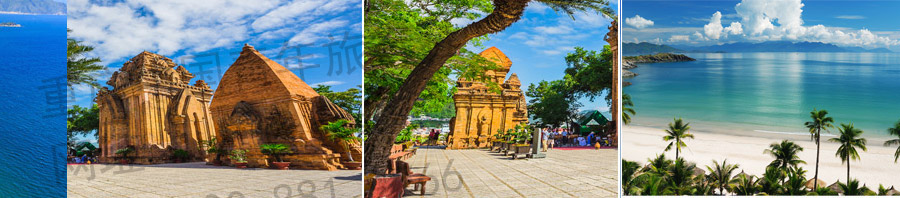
(639, 143)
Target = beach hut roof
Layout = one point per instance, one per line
(836, 187)
(699, 171)
(811, 185)
(892, 192)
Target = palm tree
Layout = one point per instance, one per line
(629, 171)
(627, 108)
(720, 174)
(80, 70)
(895, 132)
(785, 154)
(677, 132)
(796, 179)
(820, 121)
(745, 184)
(338, 130)
(680, 176)
(850, 140)
(851, 187)
(504, 14)
(770, 182)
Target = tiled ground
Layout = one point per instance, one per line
(480, 173)
(199, 180)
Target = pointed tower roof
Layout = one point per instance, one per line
(495, 55)
(254, 77)
(514, 80)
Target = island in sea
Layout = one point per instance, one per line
(9, 24)
(629, 62)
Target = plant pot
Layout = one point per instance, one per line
(123, 161)
(240, 164)
(282, 165)
(522, 149)
(217, 162)
(510, 148)
(352, 165)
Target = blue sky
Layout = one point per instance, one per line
(867, 24)
(538, 43)
(205, 36)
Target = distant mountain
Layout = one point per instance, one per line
(33, 7)
(635, 49)
(644, 48)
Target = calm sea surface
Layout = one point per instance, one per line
(760, 93)
(32, 132)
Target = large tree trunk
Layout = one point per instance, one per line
(612, 37)
(393, 116)
(373, 102)
(816, 177)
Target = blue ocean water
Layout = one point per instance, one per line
(758, 93)
(32, 125)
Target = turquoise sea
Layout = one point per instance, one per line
(32, 106)
(769, 93)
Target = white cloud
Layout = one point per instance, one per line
(734, 29)
(638, 22)
(553, 30)
(327, 83)
(120, 30)
(698, 36)
(850, 17)
(318, 31)
(714, 28)
(679, 38)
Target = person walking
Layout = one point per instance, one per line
(544, 139)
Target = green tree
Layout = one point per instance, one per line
(349, 100)
(680, 177)
(80, 69)
(554, 103)
(720, 175)
(590, 72)
(820, 121)
(895, 131)
(627, 108)
(796, 179)
(339, 132)
(81, 121)
(275, 150)
(745, 185)
(851, 188)
(850, 140)
(629, 172)
(382, 15)
(677, 132)
(785, 154)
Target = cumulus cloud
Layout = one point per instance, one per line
(714, 28)
(734, 29)
(121, 29)
(638, 22)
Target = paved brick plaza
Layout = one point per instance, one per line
(200, 180)
(564, 173)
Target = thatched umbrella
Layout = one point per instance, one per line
(892, 192)
(811, 185)
(699, 171)
(836, 187)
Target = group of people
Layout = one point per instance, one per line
(562, 137)
(82, 160)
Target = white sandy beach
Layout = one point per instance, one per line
(876, 166)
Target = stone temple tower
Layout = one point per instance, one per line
(480, 112)
(261, 102)
(153, 109)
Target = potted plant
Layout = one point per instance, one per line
(523, 136)
(339, 132)
(276, 151)
(239, 158)
(123, 154)
(212, 148)
(181, 155)
(496, 142)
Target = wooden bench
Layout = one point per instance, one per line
(418, 180)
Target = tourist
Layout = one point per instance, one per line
(590, 138)
(565, 137)
(544, 139)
